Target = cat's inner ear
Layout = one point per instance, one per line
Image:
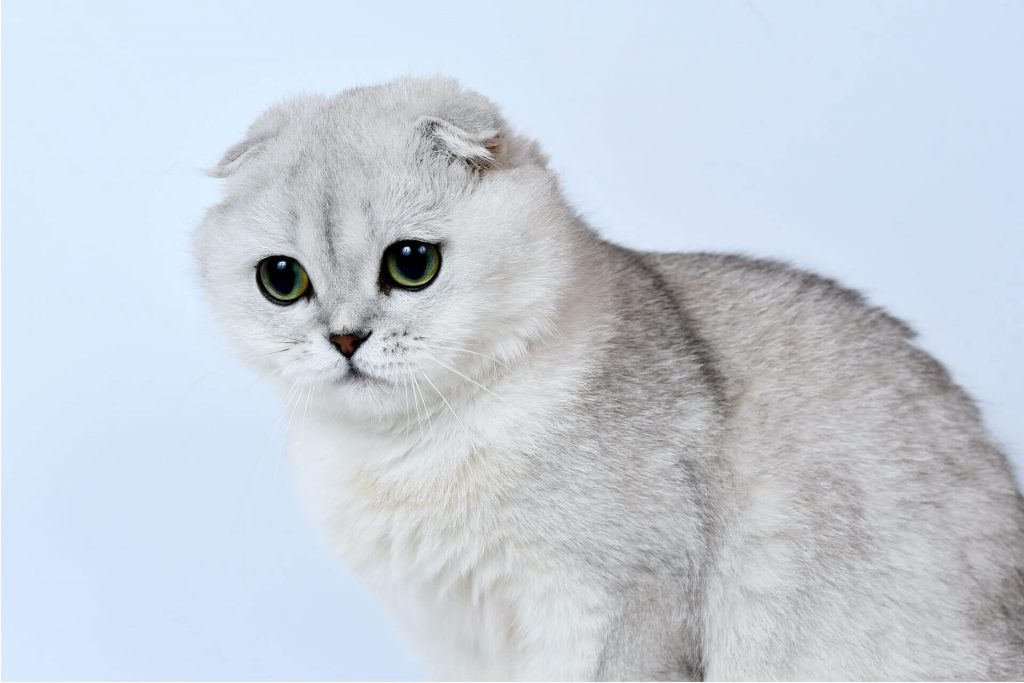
(479, 149)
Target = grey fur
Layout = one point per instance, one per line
(754, 472)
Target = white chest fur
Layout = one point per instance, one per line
(436, 534)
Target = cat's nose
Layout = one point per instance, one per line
(348, 343)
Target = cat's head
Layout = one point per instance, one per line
(387, 234)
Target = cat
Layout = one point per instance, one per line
(553, 457)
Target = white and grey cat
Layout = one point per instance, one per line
(556, 458)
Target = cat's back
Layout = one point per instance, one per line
(796, 345)
(763, 319)
(871, 516)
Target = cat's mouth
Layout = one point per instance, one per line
(356, 374)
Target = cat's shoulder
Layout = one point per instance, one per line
(757, 290)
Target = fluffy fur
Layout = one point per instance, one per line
(568, 460)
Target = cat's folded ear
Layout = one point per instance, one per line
(469, 130)
(237, 155)
(262, 131)
(479, 149)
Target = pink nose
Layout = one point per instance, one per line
(348, 343)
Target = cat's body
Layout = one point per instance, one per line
(570, 460)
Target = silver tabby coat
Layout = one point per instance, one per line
(563, 459)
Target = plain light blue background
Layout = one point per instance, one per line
(149, 527)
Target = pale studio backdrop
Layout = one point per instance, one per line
(149, 526)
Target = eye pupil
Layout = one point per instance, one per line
(282, 278)
(411, 266)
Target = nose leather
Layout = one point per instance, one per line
(348, 343)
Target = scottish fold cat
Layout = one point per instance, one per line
(553, 457)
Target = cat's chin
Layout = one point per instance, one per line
(345, 380)
(355, 375)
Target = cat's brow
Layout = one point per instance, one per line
(327, 223)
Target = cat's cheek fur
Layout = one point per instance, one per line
(513, 263)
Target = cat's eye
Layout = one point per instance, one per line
(410, 265)
(282, 279)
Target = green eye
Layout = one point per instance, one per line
(282, 279)
(410, 265)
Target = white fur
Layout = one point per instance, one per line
(566, 460)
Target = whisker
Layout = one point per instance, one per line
(292, 393)
(286, 345)
(262, 378)
(409, 395)
(405, 404)
(475, 353)
(305, 410)
(291, 413)
(468, 379)
(393, 401)
(443, 399)
(426, 410)
(191, 386)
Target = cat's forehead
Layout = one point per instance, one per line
(342, 162)
(334, 194)
(352, 133)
